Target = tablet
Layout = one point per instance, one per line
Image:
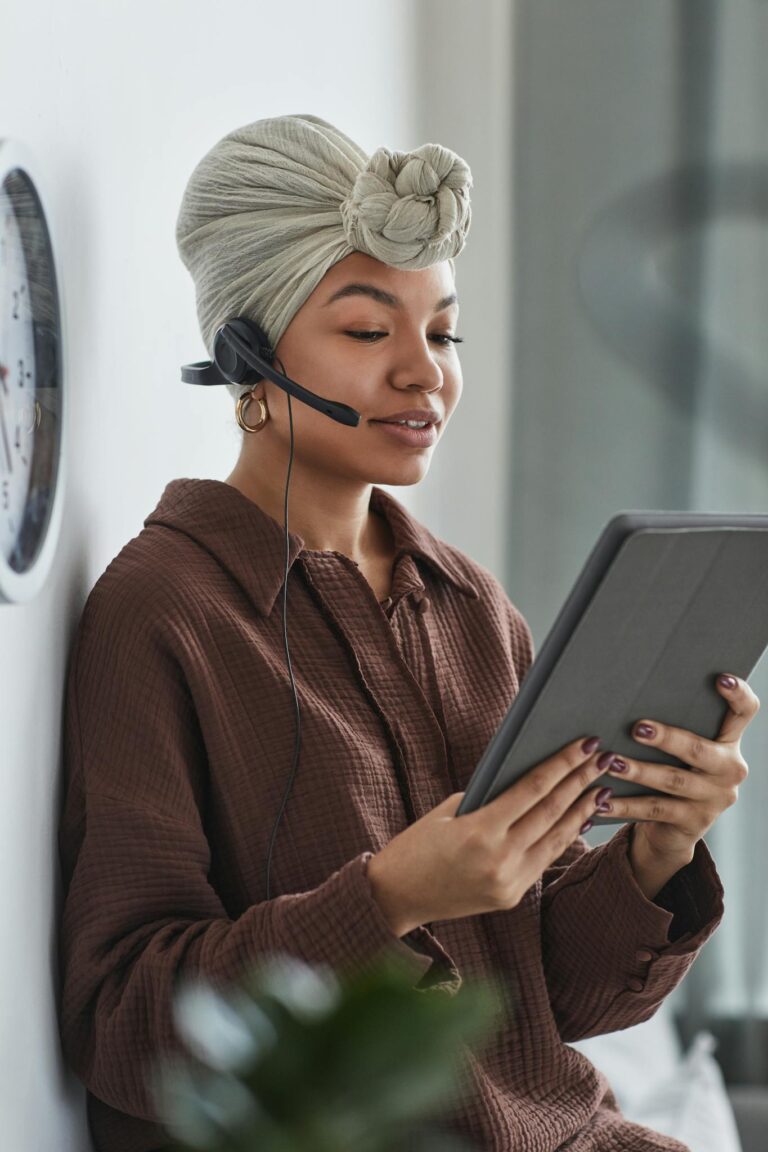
(664, 603)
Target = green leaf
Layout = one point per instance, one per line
(350, 1064)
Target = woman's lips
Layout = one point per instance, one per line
(416, 437)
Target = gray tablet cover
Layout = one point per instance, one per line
(664, 602)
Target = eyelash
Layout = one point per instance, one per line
(437, 336)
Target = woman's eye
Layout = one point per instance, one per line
(364, 337)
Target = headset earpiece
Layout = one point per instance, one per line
(229, 361)
(239, 338)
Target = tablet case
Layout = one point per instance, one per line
(664, 603)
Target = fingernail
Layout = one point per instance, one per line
(603, 795)
(726, 681)
(619, 765)
(645, 730)
(591, 745)
(604, 762)
(585, 827)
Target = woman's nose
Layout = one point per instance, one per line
(417, 359)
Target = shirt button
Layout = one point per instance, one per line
(643, 955)
(635, 985)
(423, 604)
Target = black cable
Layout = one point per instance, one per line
(287, 654)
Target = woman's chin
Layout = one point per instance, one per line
(402, 472)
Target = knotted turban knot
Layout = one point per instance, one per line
(410, 209)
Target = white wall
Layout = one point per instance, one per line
(118, 102)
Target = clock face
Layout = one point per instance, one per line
(30, 377)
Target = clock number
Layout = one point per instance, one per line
(16, 296)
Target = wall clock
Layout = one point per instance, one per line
(32, 403)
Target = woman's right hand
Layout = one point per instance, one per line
(442, 866)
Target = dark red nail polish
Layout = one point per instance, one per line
(591, 745)
(645, 730)
(619, 765)
(604, 762)
(585, 827)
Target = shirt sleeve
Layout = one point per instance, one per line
(610, 954)
(139, 909)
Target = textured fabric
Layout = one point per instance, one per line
(274, 204)
(179, 738)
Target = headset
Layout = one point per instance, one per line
(242, 355)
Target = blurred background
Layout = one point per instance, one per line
(613, 304)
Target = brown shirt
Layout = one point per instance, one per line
(179, 739)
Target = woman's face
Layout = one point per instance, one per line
(408, 363)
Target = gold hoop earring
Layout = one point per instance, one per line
(241, 406)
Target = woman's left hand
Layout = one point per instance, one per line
(694, 797)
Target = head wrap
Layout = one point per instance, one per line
(274, 204)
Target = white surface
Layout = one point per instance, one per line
(693, 1106)
(681, 1095)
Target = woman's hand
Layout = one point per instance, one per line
(673, 823)
(442, 867)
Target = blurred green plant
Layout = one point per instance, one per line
(294, 1059)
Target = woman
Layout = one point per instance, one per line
(406, 655)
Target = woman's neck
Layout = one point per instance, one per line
(325, 522)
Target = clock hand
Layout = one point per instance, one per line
(5, 440)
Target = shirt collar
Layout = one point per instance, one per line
(250, 544)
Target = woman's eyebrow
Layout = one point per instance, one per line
(382, 297)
